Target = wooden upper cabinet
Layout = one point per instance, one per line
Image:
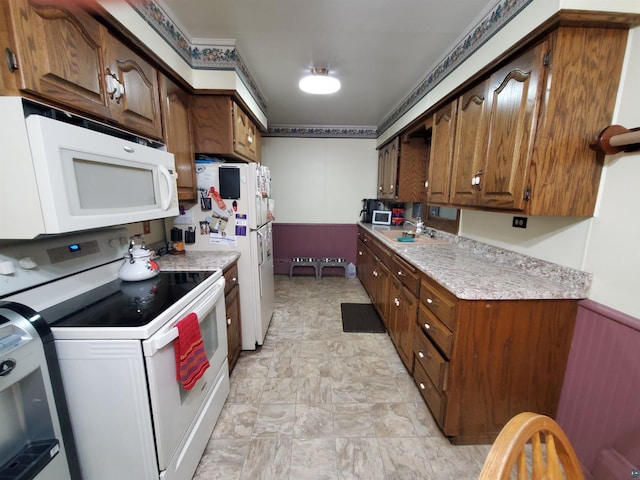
(177, 136)
(442, 141)
(59, 51)
(470, 144)
(220, 127)
(413, 164)
(64, 55)
(513, 100)
(139, 106)
(522, 144)
(388, 170)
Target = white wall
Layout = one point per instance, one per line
(320, 180)
(613, 247)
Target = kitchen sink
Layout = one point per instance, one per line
(407, 237)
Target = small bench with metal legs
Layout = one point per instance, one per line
(303, 262)
(332, 262)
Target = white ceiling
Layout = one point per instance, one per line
(379, 49)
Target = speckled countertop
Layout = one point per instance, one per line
(473, 270)
(198, 261)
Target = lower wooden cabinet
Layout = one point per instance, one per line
(232, 305)
(476, 363)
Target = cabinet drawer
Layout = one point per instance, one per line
(407, 274)
(231, 278)
(435, 400)
(440, 302)
(435, 330)
(430, 359)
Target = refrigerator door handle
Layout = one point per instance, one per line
(260, 239)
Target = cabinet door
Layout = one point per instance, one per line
(412, 167)
(388, 169)
(60, 53)
(442, 141)
(381, 296)
(211, 123)
(139, 106)
(403, 310)
(177, 136)
(510, 119)
(469, 144)
(244, 134)
(234, 330)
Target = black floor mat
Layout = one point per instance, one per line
(360, 317)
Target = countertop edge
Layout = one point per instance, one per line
(550, 281)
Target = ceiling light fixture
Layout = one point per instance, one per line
(319, 82)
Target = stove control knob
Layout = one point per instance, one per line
(27, 263)
(7, 268)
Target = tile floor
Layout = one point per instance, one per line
(317, 403)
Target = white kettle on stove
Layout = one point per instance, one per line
(138, 264)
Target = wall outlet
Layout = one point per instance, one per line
(519, 222)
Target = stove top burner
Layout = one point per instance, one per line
(124, 304)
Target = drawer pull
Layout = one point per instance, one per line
(401, 274)
(228, 321)
(234, 279)
(422, 387)
(429, 300)
(396, 301)
(427, 326)
(420, 354)
(359, 253)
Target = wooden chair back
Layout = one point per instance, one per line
(550, 455)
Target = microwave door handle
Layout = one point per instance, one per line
(166, 202)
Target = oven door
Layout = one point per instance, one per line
(176, 411)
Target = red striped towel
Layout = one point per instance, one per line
(191, 358)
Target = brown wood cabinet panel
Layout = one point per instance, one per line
(508, 356)
(439, 301)
(232, 305)
(585, 67)
(427, 355)
(412, 167)
(59, 48)
(510, 120)
(220, 127)
(403, 310)
(435, 400)
(388, 170)
(469, 145)
(234, 329)
(442, 142)
(139, 107)
(437, 331)
(177, 136)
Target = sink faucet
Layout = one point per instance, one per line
(419, 226)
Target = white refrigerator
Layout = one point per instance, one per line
(234, 213)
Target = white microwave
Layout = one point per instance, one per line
(57, 177)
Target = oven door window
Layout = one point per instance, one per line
(174, 409)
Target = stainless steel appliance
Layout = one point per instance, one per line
(130, 416)
(36, 440)
(234, 214)
(73, 174)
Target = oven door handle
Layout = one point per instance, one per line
(162, 339)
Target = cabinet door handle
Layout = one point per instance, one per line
(360, 253)
(427, 326)
(396, 301)
(228, 321)
(420, 354)
(375, 274)
(422, 387)
(429, 300)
